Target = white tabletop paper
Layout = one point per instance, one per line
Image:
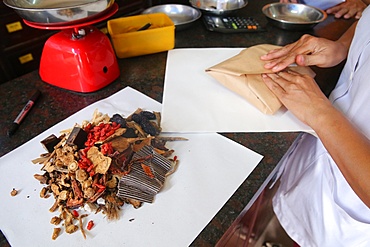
(193, 101)
(211, 168)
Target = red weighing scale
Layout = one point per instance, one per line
(80, 57)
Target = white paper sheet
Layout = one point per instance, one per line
(211, 168)
(193, 101)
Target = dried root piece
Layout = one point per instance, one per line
(158, 117)
(100, 161)
(43, 193)
(55, 206)
(42, 178)
(71, 229)
(112, 206)
(134, 202)
(81, 225)
(39, 160)
(55, 220)
(14, 192)
(173, 168)
(171, 139)
(56, 232)
(99, 117)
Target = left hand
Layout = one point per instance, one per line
(348, 9)
(300, 94)
(307, 51)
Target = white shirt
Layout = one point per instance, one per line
(314, 203)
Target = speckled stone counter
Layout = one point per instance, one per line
(146, 74)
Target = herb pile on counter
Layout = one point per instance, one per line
(102, 164)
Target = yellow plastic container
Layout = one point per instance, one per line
(129, 42)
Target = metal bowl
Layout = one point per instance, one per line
(293, 16)
(58, 12)
(182, 16)
(218, 7)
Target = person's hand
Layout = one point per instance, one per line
(348, 9)
(307, 51)
(300, 94)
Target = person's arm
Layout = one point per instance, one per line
(309, 50)
(348, 9)
(349, 148)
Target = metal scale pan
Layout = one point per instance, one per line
(58, 12)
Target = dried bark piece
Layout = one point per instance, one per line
(120, 144)
(137, 185)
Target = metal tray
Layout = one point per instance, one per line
(181, 15)
(58, 12)
(218, 7)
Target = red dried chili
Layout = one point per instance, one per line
(90, 168)
(106, 148)
(100, 132)
(75, 213)
(100, 186)
(90, 225)
(147, 170)
(84, 162)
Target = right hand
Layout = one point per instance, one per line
(307, 51)
(300, 94)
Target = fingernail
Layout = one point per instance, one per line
(268, 65)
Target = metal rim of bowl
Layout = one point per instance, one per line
(268, 6)
(210, 10)
(199, 14)
(6, 2)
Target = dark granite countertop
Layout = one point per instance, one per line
(146, 74)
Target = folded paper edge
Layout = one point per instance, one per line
(246, 91)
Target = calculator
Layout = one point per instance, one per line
(230, 24)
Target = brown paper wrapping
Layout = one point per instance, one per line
(242, 74)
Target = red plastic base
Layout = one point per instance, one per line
(84, 64)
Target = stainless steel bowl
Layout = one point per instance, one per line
(58, 12)
(219, 7)
(182, 16)
(293, 16)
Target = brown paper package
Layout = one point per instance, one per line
(242, 74)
